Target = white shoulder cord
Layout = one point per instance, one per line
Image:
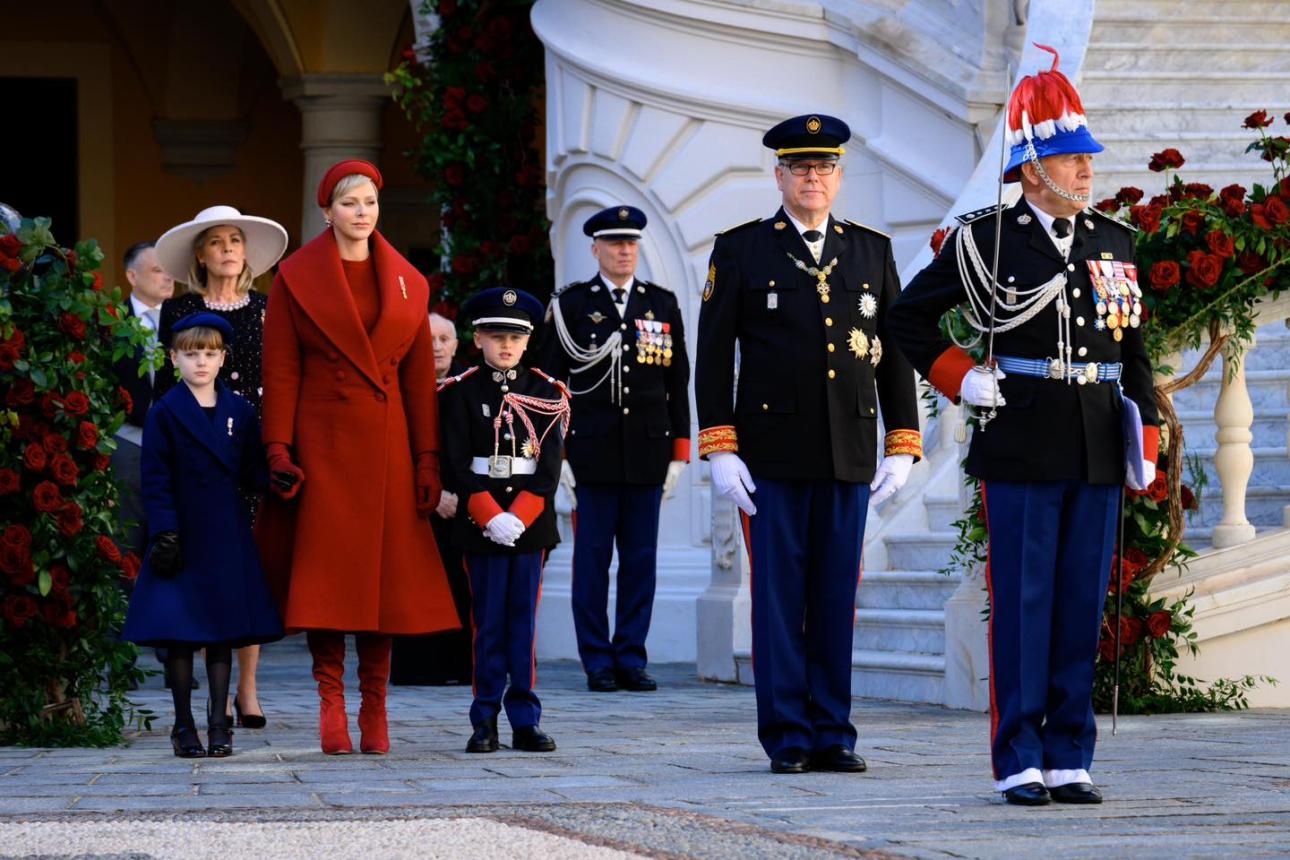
(588, 358)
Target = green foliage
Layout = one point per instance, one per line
(63, 672)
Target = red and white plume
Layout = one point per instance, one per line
(1044, 104)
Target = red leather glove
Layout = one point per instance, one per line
(429, 487)
(285, 477)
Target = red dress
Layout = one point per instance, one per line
(350, 551)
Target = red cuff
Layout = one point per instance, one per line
(681, 450)
(482, 507)
(1150, 443)
(528, 507)
(713, 440)
(948, 370)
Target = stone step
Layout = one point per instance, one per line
(942, 511)
(1132, 26)
(1260, 10)
(1269, 427)
(1113, 176)
(1264, 506)
(1193, 82)
(1111, 117)
(1204, 147)
(903, 677)
(1267, 390)
(905, 589)
(1221, 56)
(1271, 468)
(906, 631)
(926, 551)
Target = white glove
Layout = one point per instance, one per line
(730, 478)
(567, 484)
(1148, 475)
(892, 474)
(447, 508)
(504, 529)
(674, 470)
(982, 389)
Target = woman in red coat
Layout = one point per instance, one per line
(351, 434)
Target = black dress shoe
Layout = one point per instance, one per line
(532, 739)
(790, 760)
(248, 721)
(601, 681)
(186, 742)
(484, 740)
(1028, 794)
(635, 680)
(838, 759)
(219, 741)
(1076, 792)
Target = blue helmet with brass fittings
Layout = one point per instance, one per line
(814, 135)
(616, 222)
(503, 309)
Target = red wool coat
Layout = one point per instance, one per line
(350, 552)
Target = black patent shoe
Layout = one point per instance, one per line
(484, 740)
(601, 681)
(532, 739)
(635, 680)
(1076, 792)
(790, 760)
(838, 759)
(248, 721)
(186, 742)
(1028, 794)
(219, 741)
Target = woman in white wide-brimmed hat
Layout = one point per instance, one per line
(218, 254)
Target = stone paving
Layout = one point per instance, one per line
(677, 773)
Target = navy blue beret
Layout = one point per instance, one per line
(207, 320)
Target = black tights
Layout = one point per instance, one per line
(219, 668)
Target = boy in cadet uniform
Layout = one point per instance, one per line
(502, 428)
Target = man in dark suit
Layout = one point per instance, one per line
(805, 296)
(620, 343)
(1050, 447)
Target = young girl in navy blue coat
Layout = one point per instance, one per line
(201, 585)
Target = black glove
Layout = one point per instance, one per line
(165, 558)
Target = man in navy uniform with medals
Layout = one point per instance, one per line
(1051, 451)
(619, 342)
(805, 296)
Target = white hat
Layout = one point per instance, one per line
(266, 240)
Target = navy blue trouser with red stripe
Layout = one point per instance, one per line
(804, 546)
(1049, 567)
(504, 592)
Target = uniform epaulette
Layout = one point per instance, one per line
(450, 381)
(654, 285)
(564, 389)
(868, 228)
(558, 290)
(978, 214)
(1109, 217)
(738, 227)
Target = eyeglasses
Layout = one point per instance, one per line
(801, 168)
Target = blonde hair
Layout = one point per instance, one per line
(197, 272)
(349, 183)
(197, 337)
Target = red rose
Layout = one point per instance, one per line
(16, 535)
(64, 470)
(1276, 211)
(8, 482)
(454, 120)
(76, 357)
(1198, 190)
(1166, 159)
(1188, 498)
(1106, 650)
(11, 264)
(87, 435)
(55, 443)
(16, 561)
(1130, 631)
(1129, 196)
(62, 578)
(1234, 190)
(1258, 119)
(76, 404)
(1250, 263)
(1233, 207)
(1147, 218)
(476, 103)
(102, 461)
(23, 393)
(1108, 205)
(1165, 275)
(1203, 270)
(1258, 214)
(1220, 244)
(127, 402)
(49, 404)
(938, 240)
(58, 612)
(1193, 221)
(97, 284)
(1160, 622)
(108, 549)
(455, 174)
(19, 609)
(130, 566)
(1157, 491)
(46, 497)
(8, 356)
(69, 519)
(35, 458)
(10, 245)
(72, 326)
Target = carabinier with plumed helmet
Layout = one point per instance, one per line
(1069, 368)
(619, 342)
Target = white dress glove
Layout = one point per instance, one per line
(982, 389)
(674, 470)
(566, 488)
(892, 474)
(1148, 475)
(447, 508)
(504, 529)
(730, 478)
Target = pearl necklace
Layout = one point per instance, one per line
(227, 306)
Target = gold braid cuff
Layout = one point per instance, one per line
(903, 442)
(714, 440)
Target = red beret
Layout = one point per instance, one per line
(339, 171)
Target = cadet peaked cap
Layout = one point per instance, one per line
(811, 136)
(205, 319)
(616, 222)
(503, 309)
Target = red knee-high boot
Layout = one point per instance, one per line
(328, 650)
(373, 679)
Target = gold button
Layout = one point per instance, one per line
(866, 286)
(870, 410)
(832, 373)
(765, 407)
(832, 347)
(828, 320)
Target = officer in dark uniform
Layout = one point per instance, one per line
(502, 427)
(620, 343)
(1051, 459)
(805, 296)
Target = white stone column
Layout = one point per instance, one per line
(340, 119)
(1234, 460)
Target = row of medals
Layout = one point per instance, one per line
(653, 342)
(1119, 298)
